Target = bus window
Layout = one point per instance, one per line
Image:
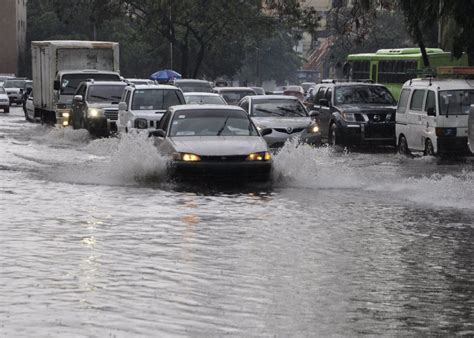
(361, 70)
(396, 71)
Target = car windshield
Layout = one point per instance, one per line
(70, 82)
(233, 97)
(105, 93)
(202, 99)
(14, 83)
(278, 108)
(363, 94)
(195, 87)
(455, 102)
(156, 99)
(212, 123)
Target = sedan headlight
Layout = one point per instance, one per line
(349, 117)
(186, 157)
(93, 112)
(141, 123)
(263, 156)
(313, 128)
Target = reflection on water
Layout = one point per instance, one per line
(95, 243)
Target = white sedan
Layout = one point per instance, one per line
(203, 98)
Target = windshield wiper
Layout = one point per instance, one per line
(269, 112)
(100, 97)
(293, 111)
(223, 126)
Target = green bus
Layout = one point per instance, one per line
(393, 67)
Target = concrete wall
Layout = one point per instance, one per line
(13, 34)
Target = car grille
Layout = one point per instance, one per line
(289, 130)
(111, 115)
(231, 158)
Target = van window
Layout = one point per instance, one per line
(319, 95)
(403, 102)
(430, 101)
(455, 102)
(417, 100)
(328, 95)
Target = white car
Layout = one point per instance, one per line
(30, 108)
(142, 106)
(4, 101)
(203, 98)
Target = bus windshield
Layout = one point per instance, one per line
(363, 94)
(455, 102)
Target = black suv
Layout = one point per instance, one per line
(354, 113)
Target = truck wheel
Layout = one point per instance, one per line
(403, 146)
(429, 149)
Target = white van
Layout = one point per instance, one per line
(432, 116)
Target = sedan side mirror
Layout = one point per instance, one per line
(431, 111)
(266, 131)
(122, 106)
(157, 133)
(324, 102)
(78, 98)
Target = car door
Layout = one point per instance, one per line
(122, 115)
(416, 119)
(401, 115)
(77, 106)
(429, 123)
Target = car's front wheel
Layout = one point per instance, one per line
(403, 146)
(429, 149)
(333, 135)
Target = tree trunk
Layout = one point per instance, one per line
(421, 44)
(199, 59)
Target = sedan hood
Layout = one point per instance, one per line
(282, 122)
(218, 145)
(367, 108)
(12, 90)
(106, 105)
(149, 114)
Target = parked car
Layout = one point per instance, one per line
(4, 101)
(14, 88)
(95, 106)
(355, 113)
(3, 77)
(192, 85)
(212, 140)
(432, 116)
(232, 95)
(285, 117)
(142, 106)
(204, 98)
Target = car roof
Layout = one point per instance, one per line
(230, 89)
(191, 80)
(106, 83)
(195, 107)
(200, 94)
(87, 71)
(152, 86)
(272, 97)
(442, 84)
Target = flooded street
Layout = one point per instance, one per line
(96, 243)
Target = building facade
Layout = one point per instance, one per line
(13, 37)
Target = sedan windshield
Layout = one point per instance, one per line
(202, 99)
(105, 93)
(233, 97)
(455, 102)
(14, 84)
(363, 94)
(212, 123)
(156, 99)
(278, 108)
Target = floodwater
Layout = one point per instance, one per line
(96, 243)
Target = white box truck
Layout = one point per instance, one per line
(58, 68)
